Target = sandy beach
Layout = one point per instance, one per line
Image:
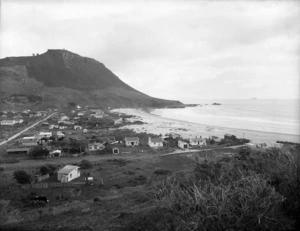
(159, 125)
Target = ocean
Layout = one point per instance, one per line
(273, 116)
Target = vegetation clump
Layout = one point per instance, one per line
(22, 177)
(254, 190)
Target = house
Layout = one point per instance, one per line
(197, 141)
(155, 142)
(64, 118)
(44, 135)
(66, 122)
(115, 150)
(78, 107)
(81, 113)
(62, 127)
(55, 153)
(183, 144)
(77, 127)
(11, 122)
(229, 137)
(7, 122)
(18, 150)
(29, 141)
(68, 173)
(97, 116)
(45, 124)
(96, 146)
(118, 121)
(85, 131)
(60, 134)
(52, 126)
(131, 141)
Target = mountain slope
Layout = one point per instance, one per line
(58, 77)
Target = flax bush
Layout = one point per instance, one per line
(251, 191)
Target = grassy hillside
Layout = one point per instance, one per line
(59, 76)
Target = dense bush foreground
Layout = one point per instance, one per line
(255, 190)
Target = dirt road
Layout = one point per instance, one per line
(177, 152)
(26, 129)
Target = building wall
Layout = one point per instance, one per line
(155, 145)
(129, 143)
(181, 144)
(69, 177)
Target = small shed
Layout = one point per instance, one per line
(115, 150)
(183, 144)
(68, 173)
(131, 141)
(155, 142)
(55, 153)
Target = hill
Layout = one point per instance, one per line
(58, 77)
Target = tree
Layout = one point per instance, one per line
(38, 152)
(85, 164)
(72, 104)
(22, 177)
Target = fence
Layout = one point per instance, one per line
(58, 185)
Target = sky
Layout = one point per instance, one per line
(181, 50)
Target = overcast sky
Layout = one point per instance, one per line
(185, 50)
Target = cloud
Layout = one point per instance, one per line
(184, 49)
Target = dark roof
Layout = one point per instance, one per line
(131, 139)
(156, 140)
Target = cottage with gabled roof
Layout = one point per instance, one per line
(155, 142)
(198, 141)
(96, 146)
(29, 141)
(68, 173)
(183, 144)
(131, 141)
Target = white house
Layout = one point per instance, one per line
(131, 141)
(44, 135)
(197, 141)
(68, 173)
(60, 134)
(52, 126)
(55, 153)
(29, 141)
(155, 142)
(11, 122)
(97, 116)
(77, 127)
(65, 118)
(183, 144)
(118, 121)
(85, 130)
(96, 146)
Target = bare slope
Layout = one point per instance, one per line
(60, 76)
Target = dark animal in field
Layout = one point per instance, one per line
(39, 200)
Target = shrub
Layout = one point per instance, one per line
(39, 152)
(85, 164)
(256, 189)
(162, 172)
(22, 177)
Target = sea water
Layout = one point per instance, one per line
(273, 116)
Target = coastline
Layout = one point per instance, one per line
(158, 125)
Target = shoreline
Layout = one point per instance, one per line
(160, 125)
